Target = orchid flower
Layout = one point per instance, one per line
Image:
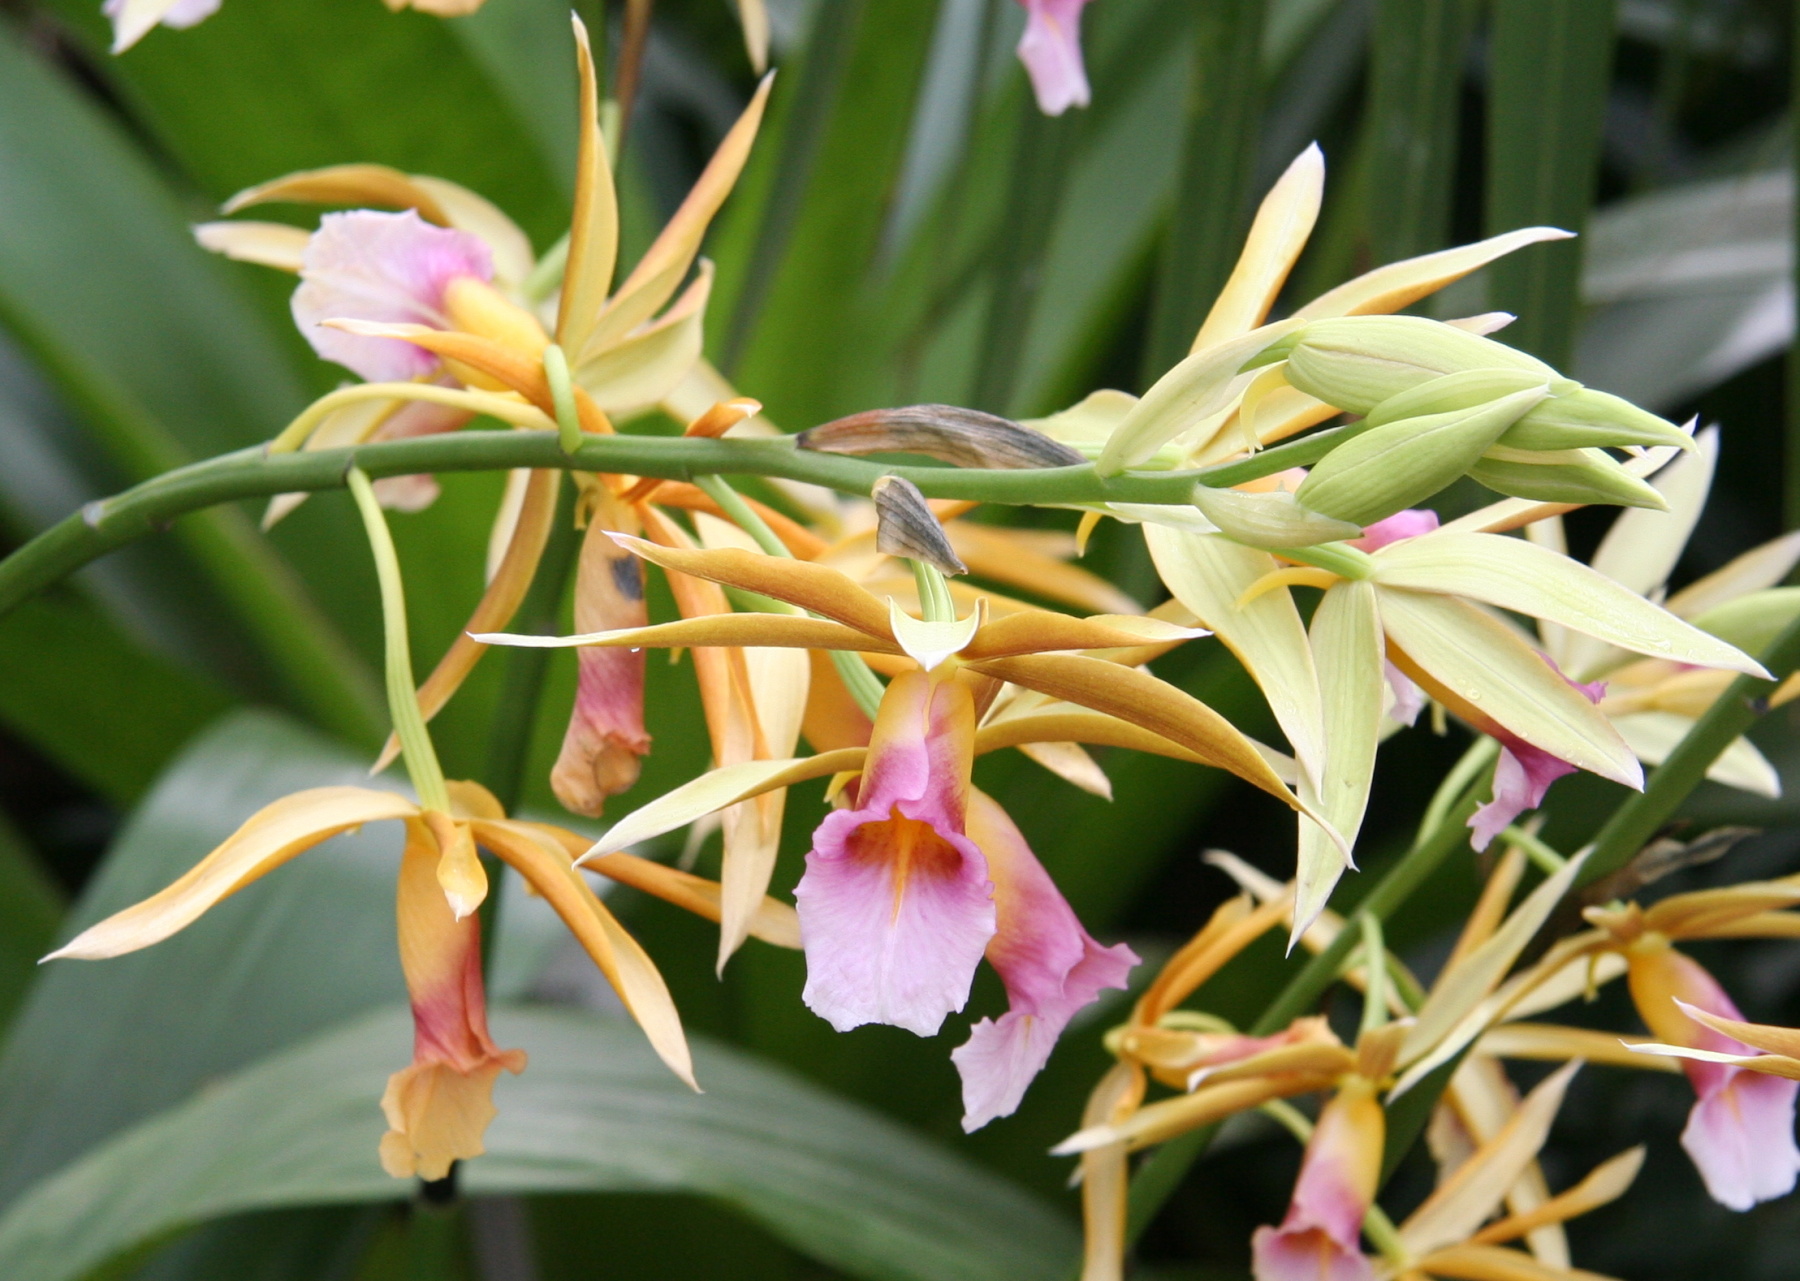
(915, 857)
(434, 306)
(438, 1107)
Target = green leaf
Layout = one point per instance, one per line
(93, 701)
(30, 907)
(1548, 65)
(594, 1111)
(1415, 85)
(88, 233)
(304, 949)
(788, 303)
(263, 88)
(1212, 194)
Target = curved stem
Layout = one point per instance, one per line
(110, 523)
(403, 702)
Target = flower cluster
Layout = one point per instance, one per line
(875, 627)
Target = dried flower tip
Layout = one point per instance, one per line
(964, 437)
(906, 526)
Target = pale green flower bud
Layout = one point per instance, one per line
(1401, 464)
(1564, 476)
(1466, 389)
(1356, 362)
(1587, 419)
(1269, 520)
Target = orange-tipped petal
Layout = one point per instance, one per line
(269, 838)
(653, 281)
(633, 975)
(816, 588)
(359, 185)
(788, 630)
(1145, 701)
(594, 228)
(1036, 631)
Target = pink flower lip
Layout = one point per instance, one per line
(1523, 773)
(387, 267)
(896, 907)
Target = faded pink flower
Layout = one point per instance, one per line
(1050, 965)
(1320, 1239)
(1740, 1132)
(133, 19)
(387, 267)
(1051, 52)
(896, 907)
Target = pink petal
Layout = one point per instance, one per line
(606, 736)
(1409, 699)
(386, 267)
(1523, 774)
(1740, 1135)
(895, 906)
(1320, 1238)
(1050, 965)
(415, 418)
(1407, 524)
(1051, 52)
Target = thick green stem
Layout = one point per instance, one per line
(110, 523)
(403, 703)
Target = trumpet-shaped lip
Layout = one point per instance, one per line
(387, 268)
(1052, 968)
(896, 907)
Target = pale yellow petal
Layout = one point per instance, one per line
(642, 368)
(268, 244)
(1283, 222)
(269, 838)
(1400, 284)
(594, 227)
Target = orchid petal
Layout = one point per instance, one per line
(133, 19)
(627, 966)
(1400, 284)
(652, 282)
(1653, 735)
(1474, 662)
(1105, 1176)
(1036, 631)
(1604, 1184)
(1466, 984)
(1050, 965)
(816, 588)
(1756, 570)
(381, 267)
(594, 225)
(1145, 701)
(1283, 222)
(1002, 556)
(1521, 576)
(716, 789)
(896, 907)
(267, 839)
(643, 367)
(1465, 1200)
(1051, 52)
(268, 244)
(711, 630)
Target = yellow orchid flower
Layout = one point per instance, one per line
(439, 1106)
